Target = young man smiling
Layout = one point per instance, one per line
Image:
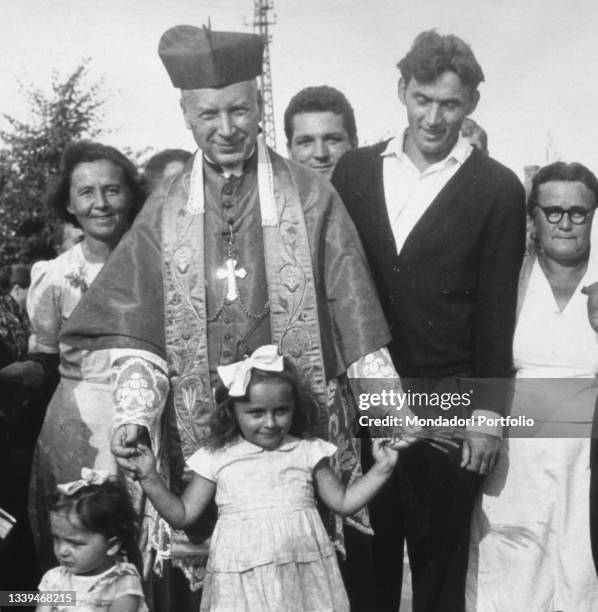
(443, 227)
(319, 124)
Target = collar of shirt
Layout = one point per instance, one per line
(408, 193)
(238, 170)
(458, 154)
(242, 447)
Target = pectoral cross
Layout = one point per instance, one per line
(230, 274)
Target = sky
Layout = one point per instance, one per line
(540, 58)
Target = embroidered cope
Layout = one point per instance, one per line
(307, 289)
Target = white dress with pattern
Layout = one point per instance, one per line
(95, 593)
(77, 428)
(269, 551)
(530, 548)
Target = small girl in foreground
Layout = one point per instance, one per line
(269, 550)
(92, 521)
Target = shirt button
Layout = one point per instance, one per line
(227, 204)
(227, 190)
(226, 353)
(227, 321)
(228, 336)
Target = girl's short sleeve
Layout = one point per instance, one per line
(43, 309)
(50, 580)
(124, 580)
(318, 450)
(202, 463)
(130, 585)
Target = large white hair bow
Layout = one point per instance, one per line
(236, 376)
(88, 477)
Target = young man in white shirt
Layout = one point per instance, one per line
(443, 227)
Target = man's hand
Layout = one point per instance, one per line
(142, 465)
(480, 452)
(125, 440)
(28, 374)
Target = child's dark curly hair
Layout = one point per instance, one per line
(103, 508)
(224, 428)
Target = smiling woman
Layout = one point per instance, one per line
(98, 190)
(99, 200)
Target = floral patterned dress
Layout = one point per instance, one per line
(77, 427)
(530, 544)
(95, 593)
(269, 551)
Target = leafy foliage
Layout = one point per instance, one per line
(30, 157)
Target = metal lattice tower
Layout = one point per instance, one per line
(260, 26)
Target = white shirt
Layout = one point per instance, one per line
(409, 192)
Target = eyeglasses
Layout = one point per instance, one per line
(577, 215)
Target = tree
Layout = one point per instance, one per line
(30, 158)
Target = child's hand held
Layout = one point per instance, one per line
(385, 453)
(141, 465)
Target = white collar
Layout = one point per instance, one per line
(242, 447)
(459, 153)
(265, 185)
(237, 170)
(93, 578)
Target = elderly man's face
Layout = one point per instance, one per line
(224, 121)
(435, 112)
(319, 140)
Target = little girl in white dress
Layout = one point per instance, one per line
(269, 550)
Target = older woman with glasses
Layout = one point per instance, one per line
(530, 540)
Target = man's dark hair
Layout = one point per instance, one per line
(470, 128)
(433, 54)
(154, 168)
(320, 100)
(560, 171)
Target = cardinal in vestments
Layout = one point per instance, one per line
(242, 248)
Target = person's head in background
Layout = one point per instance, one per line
(162, 165)
(475, 134)
(20, 279)
(67, 235)
(319, 124)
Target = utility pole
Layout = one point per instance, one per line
(261, 22)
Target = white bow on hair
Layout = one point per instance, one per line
(88, 477)
(236, 376)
